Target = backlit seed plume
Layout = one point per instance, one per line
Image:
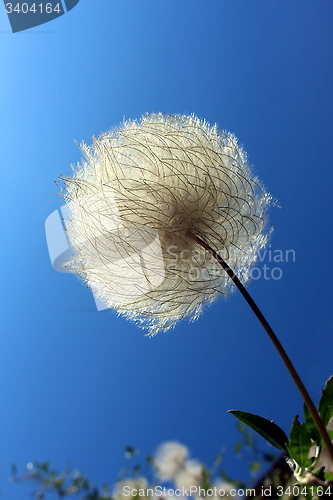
(171, 463)
(134, 198)
(170, 459)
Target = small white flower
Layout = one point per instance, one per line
(170, 459)
(135, 198)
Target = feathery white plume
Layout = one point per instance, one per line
(170, 460)
(138, 192)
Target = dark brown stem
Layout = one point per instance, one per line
(305, 395)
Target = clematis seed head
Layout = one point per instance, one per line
(135, 197)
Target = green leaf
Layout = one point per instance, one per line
(266, 428)
(311, 426)
(299, 444)
(325, 407)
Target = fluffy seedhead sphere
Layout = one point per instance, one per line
(135, 198)
(170, 459)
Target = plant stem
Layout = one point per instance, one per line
(305, 395)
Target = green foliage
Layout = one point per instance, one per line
(266, 428)
(299, 444)
(304, 439)
(72, 484)
(310, 425)
(68, 483)
(325, 407)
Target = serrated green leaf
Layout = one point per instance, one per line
(325, 407)
(266, 428)
(311, 426)
(299, 444)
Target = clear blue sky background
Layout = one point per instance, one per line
(77, 385)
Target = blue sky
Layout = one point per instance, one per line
(77, 385)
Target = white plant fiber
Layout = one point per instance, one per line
(134, 197)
